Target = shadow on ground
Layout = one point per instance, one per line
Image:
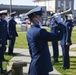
(49, 74)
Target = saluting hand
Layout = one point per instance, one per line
(0, 45)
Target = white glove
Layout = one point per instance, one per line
(58, 18)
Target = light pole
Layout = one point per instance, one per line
(10, 6)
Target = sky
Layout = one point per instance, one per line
(24, 2)
(17, 2)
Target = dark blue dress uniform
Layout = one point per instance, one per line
(66, 58)
(13, 33)
(38, 43)
(5, 33)
(54, 43)
(3, 40)
(63, 45)
(3, 37)
(4, 23)
(38, 47)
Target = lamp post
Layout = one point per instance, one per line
(10, 6)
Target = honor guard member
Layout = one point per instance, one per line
(37, 39)
(12, 33)
(54, 43)
(59, 20)
(5, 33)
(66, 59)
(3, 37)
(62, 42)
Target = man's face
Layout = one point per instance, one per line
(39, 17)
(3, 16)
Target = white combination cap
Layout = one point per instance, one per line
(13, 13)
(37, 10)
(3, 12)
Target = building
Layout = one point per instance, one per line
(54, 5)
(20, 9)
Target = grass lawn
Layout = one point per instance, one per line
(73, 38)
(7, 57)
(74, 30)
(71, 71)
(58, 66)
(73, 49)
(22, 43)
(18, 29)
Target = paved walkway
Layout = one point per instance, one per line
(25, 57)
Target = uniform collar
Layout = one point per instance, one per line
(68, 20)
(2, 19)
(33, 25)
(12, 18)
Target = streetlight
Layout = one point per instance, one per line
(10, 6)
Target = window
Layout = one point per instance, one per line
(58, 4)
(64, 4)
(70, 4)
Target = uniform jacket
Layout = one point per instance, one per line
(12, 28)
(3, 31)
(69, 27)
(53, 27)
(62, 42)
(38, 47)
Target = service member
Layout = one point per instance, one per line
(3, 37)
(12, 33)
(38, 44)
(54, 29)
(66, 59)
(59, 20)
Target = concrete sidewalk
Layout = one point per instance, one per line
(25, 57)
(71, 53)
